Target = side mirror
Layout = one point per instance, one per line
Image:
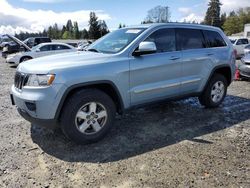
(145, 48)
(38, 50)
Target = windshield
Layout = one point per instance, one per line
(116, 41)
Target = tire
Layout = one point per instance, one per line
(79, 119)
(25, 59)
(215, 92)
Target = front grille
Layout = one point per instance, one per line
(20, 80)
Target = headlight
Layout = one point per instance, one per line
(40, 80)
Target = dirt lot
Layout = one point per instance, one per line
(176, 144)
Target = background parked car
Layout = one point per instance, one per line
(239, 45)
(9, 48)
(244, 66)
(33, 41)
(247, 49)
(83, 45)
(3, 41)
(40, 50)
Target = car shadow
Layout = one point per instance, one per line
(13, 66)
(146, 129)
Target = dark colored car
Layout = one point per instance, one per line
(33, 41)
(13, 47)
(10, 47)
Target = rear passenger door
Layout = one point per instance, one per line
(196, 59)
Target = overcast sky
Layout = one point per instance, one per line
(35, 15)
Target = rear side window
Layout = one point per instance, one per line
(164, 40)
(190, 39)
(214, 39)
(60, 47)
(242, 41)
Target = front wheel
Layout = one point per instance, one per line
(215, 92)
(87, 116)
(25, 59)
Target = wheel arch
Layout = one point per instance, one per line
(106, 86)
(25, 56)
(224, 70)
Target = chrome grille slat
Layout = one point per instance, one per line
(20, 80)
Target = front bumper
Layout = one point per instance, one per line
(47, 123)
(12, 60)
(38, 105)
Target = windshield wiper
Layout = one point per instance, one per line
(93, 50)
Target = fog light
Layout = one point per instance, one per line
(31, 106)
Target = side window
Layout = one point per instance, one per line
(190, 39)
(45, 48)
(60, 47)
(214, 39)
(164, 40)
(245, 41)
(239, 42)
(242, 41)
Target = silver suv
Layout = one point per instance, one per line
(81, 92)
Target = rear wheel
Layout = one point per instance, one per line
(87, 116)
(215, 92)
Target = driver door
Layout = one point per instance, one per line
(156, 76)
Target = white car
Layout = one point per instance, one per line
(239, 45)
(40, 50)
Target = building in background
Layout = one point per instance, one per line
(247, 31)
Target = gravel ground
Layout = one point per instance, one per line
(175, 144)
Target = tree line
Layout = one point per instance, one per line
(231, 23)
(97, 28)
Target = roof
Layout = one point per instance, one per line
(174, 24)
(56, 43)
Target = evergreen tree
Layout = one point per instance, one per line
(223, 18)
(63, 30)
(84, 34)
(69, 26)
(76, 33)
(50, 32)
(213, 13)
(94, 27)
(103, 28)
(55, 31)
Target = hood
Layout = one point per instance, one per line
(19, 42)
(52, 63)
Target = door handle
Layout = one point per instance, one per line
(174, 58)
(209, 54)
